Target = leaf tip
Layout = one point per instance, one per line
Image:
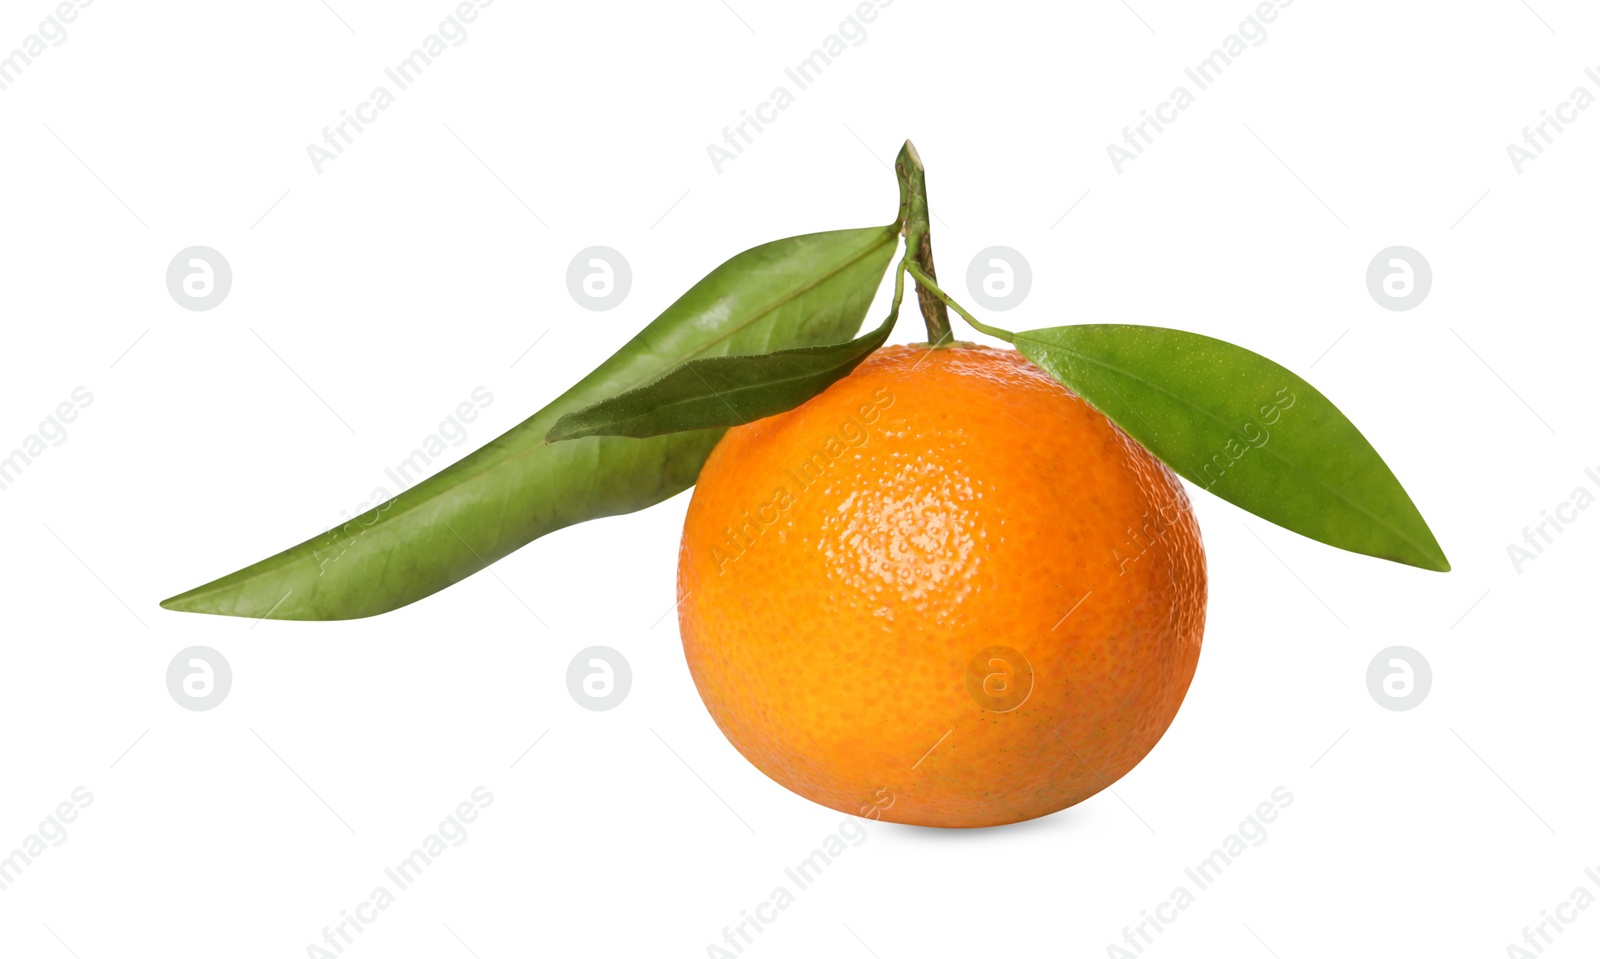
(201, 599)
(1433, 557)
(1430, 557)
(181, 603)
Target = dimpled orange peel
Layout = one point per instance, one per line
(946, 591)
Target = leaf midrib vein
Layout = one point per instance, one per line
(387, 524)
(1315, 479)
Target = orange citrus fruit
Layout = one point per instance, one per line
(945, 591)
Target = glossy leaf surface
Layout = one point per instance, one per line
(1244, 428)
(722, 391)
(802, 291)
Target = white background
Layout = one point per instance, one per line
(416, 267)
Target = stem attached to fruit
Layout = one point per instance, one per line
(919, 248)
(899, 287)
(925, 283)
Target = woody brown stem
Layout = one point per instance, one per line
(919, 246)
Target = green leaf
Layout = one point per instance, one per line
(802, 291)
(723, 391)
(1245, 428)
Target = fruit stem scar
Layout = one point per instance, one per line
(925, 284)
(919, 246)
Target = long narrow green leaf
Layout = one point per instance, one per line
(723, 391)
(802, 291)
(1245, 428)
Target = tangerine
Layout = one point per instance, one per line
(945, 591)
